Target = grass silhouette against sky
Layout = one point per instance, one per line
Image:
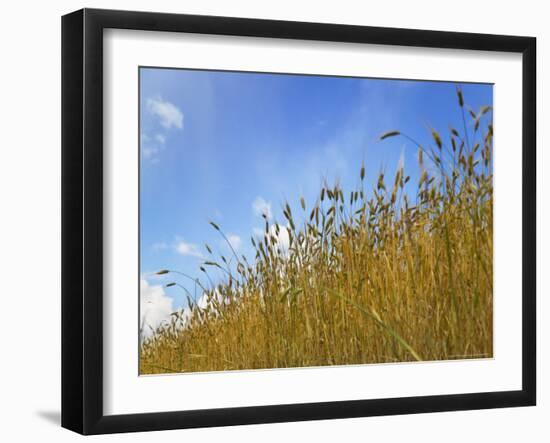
(229, 147)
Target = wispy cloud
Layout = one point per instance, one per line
(235, 241)
(262, 207)
(149, 152)
(150, 147)
(160, 246)
(188, 249)
(169, 115)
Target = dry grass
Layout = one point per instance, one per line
(368, 277)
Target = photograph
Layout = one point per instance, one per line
(300, 220)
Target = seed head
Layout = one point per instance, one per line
(437, 139)
(460, 97)
(389, 134)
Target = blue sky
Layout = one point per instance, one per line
(227, 146)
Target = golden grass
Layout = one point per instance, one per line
(368, 277)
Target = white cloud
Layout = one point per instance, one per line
(235, 241)
(160, 138)
(262, 207)
(188, 249)
(168, 114)
(206, 300)
(283, 240)
(149, 151)
(155, 307)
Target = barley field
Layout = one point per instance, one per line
(395, 270)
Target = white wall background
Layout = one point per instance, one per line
(30, 219)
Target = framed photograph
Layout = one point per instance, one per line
(269, 221)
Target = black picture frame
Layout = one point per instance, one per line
(82, 218)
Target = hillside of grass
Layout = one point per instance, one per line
(396, 270)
